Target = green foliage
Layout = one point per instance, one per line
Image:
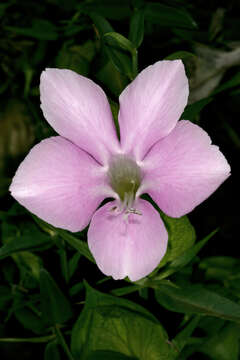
(30, 320)
(182, 338)
(24, 242)
(108, 323)
(52, 352)
(108, 355)
(76, 243)
(196, 299)
(136, 31)
(223, 345)
(192, 110)
(181, 237)
(185, 257)
(40, 29)
(168, 16)
(5, 296)
(110, 41)
(55, 307)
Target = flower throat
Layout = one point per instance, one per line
(125, 178)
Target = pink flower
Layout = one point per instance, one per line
(64, 178)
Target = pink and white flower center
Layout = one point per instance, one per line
(125, 178)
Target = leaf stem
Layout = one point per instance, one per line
(63, 342)
(134, 63)
(41, 339)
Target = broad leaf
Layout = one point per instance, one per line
(35, 240)
(196, 299)
(180, 55)
(168, 16)
(115, 39)
(30, 320)
(108, 355)
(40, 29)
(76, 243)
(118, 325)
(5, 296)
(52, 352)
(235, 81)
(136, 31)
(194, 109)
(183, 336)
(56, 309)
(111, 9)
(185, 258)
(223, 345)
(181, 237)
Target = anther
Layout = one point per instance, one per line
(133, 211)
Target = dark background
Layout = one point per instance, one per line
(58, 39)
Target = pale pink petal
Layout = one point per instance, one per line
(78, 109)
(151, 106)
(60, 183)
(130, 248)
(183, 169)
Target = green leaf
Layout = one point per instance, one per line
(52, 351)
(73, 264)
(108, 355)
(117, 40)
(185, 258)
(24, 242)
(180, 55)
(168, 16)
(102, 25)
(221, 268)
(196, 299)
(30, 320)
(126, 290)
(76, 57)
(235, 81)
(181, 235)
(224, 345)
(117, 48)
(111, 9)
(118, 325)
(183, 336)
(115, 110)
(75, 289)
(40, 29)
(211, 325)
(136, 31)
(194, 109)
(56, 309)
(64, 263)
(225, 262)
(5, 296)
(76, 243)
(3, 7)
(113, 79)
(121, 60)
(95, 298)
(28, 263)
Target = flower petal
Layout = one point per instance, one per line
(151, 106)
(130, 247)
(183, 169)
(78, 109)
(60, 183)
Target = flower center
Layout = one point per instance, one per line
(125, 178)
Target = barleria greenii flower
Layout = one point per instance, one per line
(64, 178)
